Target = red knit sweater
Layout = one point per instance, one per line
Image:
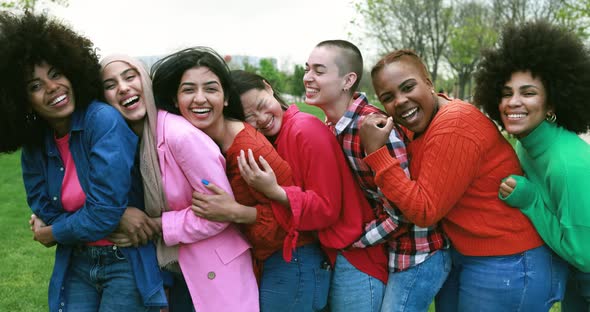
(265, 235)
(457, 166)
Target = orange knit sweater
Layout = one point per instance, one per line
(457, 166)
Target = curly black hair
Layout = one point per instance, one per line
(28, 40)
(556, 56)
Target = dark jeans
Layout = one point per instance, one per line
(577, 295)
(179, 297)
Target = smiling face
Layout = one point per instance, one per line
(51, 96)
(322, 80)
(200, 98)
(524, 103)
(406, 94)
(262, 111)
(123, 90)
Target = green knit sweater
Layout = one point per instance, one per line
(555, 194)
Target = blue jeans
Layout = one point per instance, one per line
(101, 279)
(577, 295)
(299, 285)
(413, 290)
(353, 290)
(528, 281)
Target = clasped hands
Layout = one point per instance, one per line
(134, 229)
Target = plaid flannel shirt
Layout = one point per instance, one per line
(408, 244)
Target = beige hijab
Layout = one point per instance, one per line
(154, 196)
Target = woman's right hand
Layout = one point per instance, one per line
(135, 228)
(374, 131)
(36, 223)
(507, 187)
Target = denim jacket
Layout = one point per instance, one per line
(103, 148)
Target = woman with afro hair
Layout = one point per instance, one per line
(78, 168)
(536, 84)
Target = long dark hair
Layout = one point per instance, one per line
(167, 72)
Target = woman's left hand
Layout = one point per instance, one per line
(120, 239)
(374, 131)
(219, 206)
(507, 187)
(263, 180)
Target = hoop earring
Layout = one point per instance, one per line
(30, 118)
(551, 117)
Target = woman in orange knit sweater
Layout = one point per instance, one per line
(458, 159)
(199, 81)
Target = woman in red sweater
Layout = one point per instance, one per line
(458, 159)
(324, 198)
(200, 82)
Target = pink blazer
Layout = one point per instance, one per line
(214, 256)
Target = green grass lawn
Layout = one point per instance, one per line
(26, 265)
(312, 110)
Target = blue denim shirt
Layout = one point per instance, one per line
(103, 148)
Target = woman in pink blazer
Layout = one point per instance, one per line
(214, 257)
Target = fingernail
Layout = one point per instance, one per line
(205, 182)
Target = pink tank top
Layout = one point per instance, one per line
(72, 195)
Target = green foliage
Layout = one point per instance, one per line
(276, 78)
(249, 67)
(575, 15)
(26, 264)
(295, 85)
(420, 25)
(27, 5)
(457, 30)
(285, 83)
(471, 33)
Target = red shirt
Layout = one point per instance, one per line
(325, 197)
(265, 235)
(457, 166)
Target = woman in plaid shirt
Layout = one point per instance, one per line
(419, 261)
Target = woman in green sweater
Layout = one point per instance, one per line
(537, 86)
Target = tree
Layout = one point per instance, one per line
(575, 15)
(247, 66)
(572, 14)
(420, 25)
(473, 31)
(268, 70)
(295, 82)
(520, 11)
(27, 5)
